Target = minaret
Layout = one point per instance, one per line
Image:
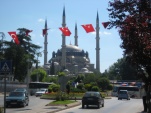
(45, 44)
(63, 60)
(76, 36)
(97, 44)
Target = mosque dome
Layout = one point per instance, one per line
(72, 48)
(56, 63)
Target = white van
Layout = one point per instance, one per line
(123, 94)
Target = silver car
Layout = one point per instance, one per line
(123, 94)
(41, 92)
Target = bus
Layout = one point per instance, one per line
(35, 86)
(133, 91)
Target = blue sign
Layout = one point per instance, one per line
(5, 66)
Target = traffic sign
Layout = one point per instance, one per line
(6, 66)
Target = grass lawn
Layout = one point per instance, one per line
(62, 102)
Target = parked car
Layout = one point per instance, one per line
(41, 92)
(18, 98)
(123, 94)
(92, 98)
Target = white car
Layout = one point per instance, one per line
(41, 92)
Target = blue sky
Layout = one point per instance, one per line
(31, 14)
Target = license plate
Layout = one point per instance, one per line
(90, 98)
(13, 103)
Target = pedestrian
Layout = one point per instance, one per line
(143, 95)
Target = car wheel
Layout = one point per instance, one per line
(98, 105)
(24, 104)
(87, 106)
(82, 105)
(103, 105)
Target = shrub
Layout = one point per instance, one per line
(95, 88)
(88, 87)
(80, 86)
(61, 96)
(54, 87)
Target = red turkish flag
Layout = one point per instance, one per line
(65, 31)
(28, 31)
(14, 36)
(44, 31)
(105, 24)
(88, 28)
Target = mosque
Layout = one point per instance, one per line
(70, 58)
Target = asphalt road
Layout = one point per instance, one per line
(113, 105)
(36, 105)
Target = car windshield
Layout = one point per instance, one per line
(42, 90)
(16, 94)
(122, 92)
(91, 94)
(20, 89)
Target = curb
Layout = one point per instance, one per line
(66, 107)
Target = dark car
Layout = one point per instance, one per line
(18, 98)
(92, 98)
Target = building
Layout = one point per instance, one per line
(70, 58)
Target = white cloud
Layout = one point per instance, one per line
(104, 33)
(41, 20)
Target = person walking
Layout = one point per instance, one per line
(143, 95)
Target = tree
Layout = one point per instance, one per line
(89, 78)
(39, 74)
(103, 83)
(132, 18)
(122, 70)
(79, 78)
(19, 54)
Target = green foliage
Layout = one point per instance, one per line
(68, 88)
(95, 88)
(76, 90)
(90, 78)
(61, 96)
(80, 86)
(54, 87)
(88, 87)
(53, 79)
(61, 102)
(121, 70)
(80, 78)
(40, 73)
(110, 87)
(103, 83)
(61, 74)
(20, 53)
